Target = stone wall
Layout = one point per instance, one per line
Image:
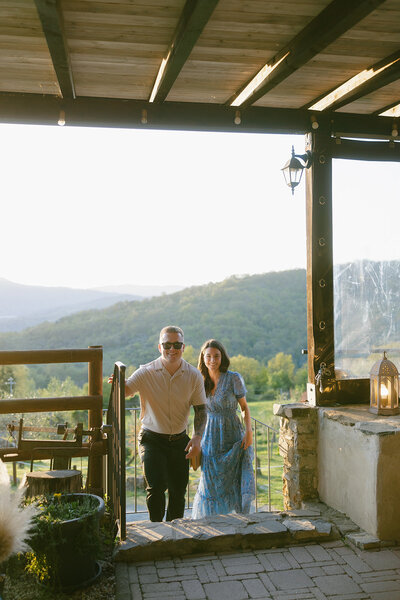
(298, 445)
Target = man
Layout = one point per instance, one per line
(168, 387)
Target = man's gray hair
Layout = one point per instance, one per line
(171, 329)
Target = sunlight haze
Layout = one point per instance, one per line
(92, 207)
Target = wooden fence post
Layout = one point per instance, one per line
(95, 381)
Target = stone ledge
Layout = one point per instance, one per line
(153, 541)
(314, 522)
(345, 528)
(363, 540)
(293, 410)
(359, 417)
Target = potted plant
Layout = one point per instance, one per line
(65, 540)
(15, 521)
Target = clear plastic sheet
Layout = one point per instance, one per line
(366, 257)
(367, 315)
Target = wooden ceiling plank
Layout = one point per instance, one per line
(80, 7)
(194, 17)
(53, 28)
(327, 26)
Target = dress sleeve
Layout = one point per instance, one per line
(239, 388)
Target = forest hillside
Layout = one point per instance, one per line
(256, 316)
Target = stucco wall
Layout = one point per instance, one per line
(358, 469)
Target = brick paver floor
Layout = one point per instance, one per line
(325, 571)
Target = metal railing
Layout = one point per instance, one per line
(265, 442)
(272, 438)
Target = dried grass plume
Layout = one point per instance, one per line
(15, 521)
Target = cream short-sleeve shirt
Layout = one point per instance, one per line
(165, 399)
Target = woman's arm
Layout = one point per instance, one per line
(248, 436)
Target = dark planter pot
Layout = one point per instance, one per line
(74, 557)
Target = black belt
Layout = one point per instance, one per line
(166, 436)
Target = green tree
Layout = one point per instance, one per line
(57, 388)
(281, 372)
(262, 381)
(254, 373)
(248, 367)
(301, 378)
(191, 355)
(23, 385)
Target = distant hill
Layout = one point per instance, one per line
(256, 316)
(143, 291)
(24, 306)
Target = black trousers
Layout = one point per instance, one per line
(165, 468)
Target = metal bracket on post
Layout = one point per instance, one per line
(311, 394)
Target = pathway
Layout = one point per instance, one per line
(315, 553)
(324, 571)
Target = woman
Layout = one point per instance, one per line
(227, 480)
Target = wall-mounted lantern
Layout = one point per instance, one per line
(293, 169)
(384, 388)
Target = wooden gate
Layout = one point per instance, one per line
(116, 454)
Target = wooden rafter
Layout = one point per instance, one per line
(385, 108)
(331, 23)
(386, 76)
(53, 28)
(194, 17)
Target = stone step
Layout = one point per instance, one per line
(222, 533)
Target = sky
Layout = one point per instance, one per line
(92, 207)
(366, 210)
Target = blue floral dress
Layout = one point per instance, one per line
(227, 478)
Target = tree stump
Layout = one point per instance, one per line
(52, 482)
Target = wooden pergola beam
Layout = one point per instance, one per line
(331, 23)
(387, 107)
(358, 150)
(386, 76)
(320, 319)
(35, 109)
(194, 17)
(53, 28)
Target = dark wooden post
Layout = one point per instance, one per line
(320, 326)
(95, 381)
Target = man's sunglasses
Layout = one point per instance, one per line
(174, 345)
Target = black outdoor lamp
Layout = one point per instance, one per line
(293, 169)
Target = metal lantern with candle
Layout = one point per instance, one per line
(384, 388)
